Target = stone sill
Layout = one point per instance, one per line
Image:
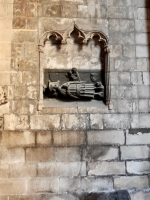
(55, 106)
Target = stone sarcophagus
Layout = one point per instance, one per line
(74, 66)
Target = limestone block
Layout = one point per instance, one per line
(10, 156)
(4, 108)
(42, 185)
(96, 121)
(4, 171)
(140, 78)
(16, 78)
(20, 92)
(114, 78)
(134, 152)
(96, 153)
(4, 78)
(1, 123)
(27, 64)
(134, 121)
(32, 92)
(121, 3)
(5, 64)
(20, 106)
(124, 78)
(69, 184)
(120, 12)
(75, 121)
(129, 51)
(19, 9)
(117, 121)
(22, 170)
(144, 120)
(125, 38)
(142, 26)
(116, 50)
(32, 23)
(44, 138)
(142, 13)
(134, 78)
(125, 64)
(142, 51)
(16, 186)
(138, 167)
(24, 36)
(30, 77)
(3, 9)
(68, 154)
(140, 195)
(141, 137)
(83, 11)
(143, 105)
(12, 122)
(123, 106)
(69, 9)
(105, 137)
(143, 92)
(141, 3)
(44, 122)
(106, 168)
(96, 184)
(131, 182)
(142, 38)
(51, 10)
(61, 169)
(121, 26)
(146, 78)
(40, 154)
(69, 138)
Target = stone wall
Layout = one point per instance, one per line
(68, 152)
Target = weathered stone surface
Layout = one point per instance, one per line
(141, 137)
(69, 138)
(91, 184)
(140, 196)
(120, 12)
(144, 120)
(43, 185)
(129, 51)
(143, 92)
(75, 121)
(55, 169)
(96, 121)
(96, 153)
(125, 64)
(144, 105)
(138, 167)
(14, 122)
(106, 168)
(16, 186)
(44, 138)
(40, 154)
(38, 122)
(142, 25)
(22, 170)
(71, 154)
(9, 156)
(142, 51)
(134, 152)
(4, 171)
(105, 137)
(132, 182)
(69, 184)
(13, 139)
(117, 121)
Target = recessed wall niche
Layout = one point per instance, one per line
(74, 68)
